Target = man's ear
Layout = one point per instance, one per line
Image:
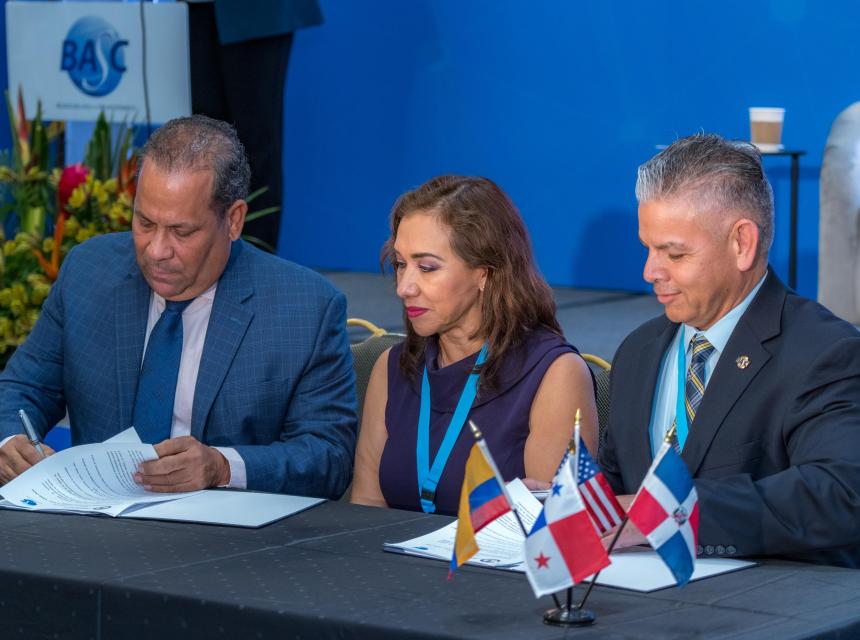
(236, 218)
(745, 238)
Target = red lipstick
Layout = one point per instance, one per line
(414, 312)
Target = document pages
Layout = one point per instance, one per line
(501, 547)
(97, 479)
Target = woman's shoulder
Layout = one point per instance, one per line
(525, 364)
(539, 344)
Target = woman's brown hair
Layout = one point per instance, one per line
(486, 231)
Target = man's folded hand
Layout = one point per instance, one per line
(184, 464)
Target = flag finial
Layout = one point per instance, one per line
(670, 434)
(475, 431)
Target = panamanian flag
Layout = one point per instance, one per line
(666, 511)
(562, 548)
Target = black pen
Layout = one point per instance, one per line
(31, 432)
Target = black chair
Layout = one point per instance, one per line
(366, 353)
(601, 378)
(364, 356)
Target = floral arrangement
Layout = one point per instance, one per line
(47, 209)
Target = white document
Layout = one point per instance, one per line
(90, 478)
(641, 569)
(97, 478)
(500, 542)
(501, 547)
(129, 436)
(232, 508)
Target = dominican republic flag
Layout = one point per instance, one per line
(666, 511)
(599, 498)
(482, 500)
(562, 548)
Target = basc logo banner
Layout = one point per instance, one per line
(94, 56)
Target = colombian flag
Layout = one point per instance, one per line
(482, 500)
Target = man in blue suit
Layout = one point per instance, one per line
(233, 363)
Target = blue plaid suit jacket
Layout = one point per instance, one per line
(276, 379)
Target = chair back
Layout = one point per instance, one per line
(366, 353)
(364, 357)
(602, 372)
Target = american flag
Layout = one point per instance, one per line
(599, 499)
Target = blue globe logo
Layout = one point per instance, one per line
(94, 56)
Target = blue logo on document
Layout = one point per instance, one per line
(29, 502)
(94, 56)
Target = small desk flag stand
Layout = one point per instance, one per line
(577, 615)
(570, 615)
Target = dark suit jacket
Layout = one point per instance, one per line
(242, 20)
(775, 446)
(275, 382)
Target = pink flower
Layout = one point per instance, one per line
(72, 176)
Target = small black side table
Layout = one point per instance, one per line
(795, 178)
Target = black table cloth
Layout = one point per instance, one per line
(323, 574)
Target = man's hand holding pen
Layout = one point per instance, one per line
(18, 455)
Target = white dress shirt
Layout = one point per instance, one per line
(665, 398)
(195, 321)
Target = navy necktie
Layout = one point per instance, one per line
(156, 387)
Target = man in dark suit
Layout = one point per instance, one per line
(768, 412)
(232, 362)
(239, 52)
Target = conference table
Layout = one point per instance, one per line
(322, 574)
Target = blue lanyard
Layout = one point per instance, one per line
(681, 427)
(428, 477)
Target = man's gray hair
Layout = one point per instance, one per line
(717, 174)
(200, 143)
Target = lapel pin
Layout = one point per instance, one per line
(743, 362)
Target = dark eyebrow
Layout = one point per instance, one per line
(417, 256)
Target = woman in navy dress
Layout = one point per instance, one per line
(475, 307)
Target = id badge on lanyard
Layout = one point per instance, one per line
(429, 476)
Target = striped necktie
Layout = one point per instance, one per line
(695, 387)
(156, 387)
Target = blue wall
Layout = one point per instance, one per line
(556, 101)
(5, 133)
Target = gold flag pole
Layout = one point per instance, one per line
(667, 438)
(479, 439)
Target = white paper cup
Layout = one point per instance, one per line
(766, 127)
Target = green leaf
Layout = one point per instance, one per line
(260, 243)
(256, 194)
(261, 213)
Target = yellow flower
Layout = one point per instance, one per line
(110, 185)
(24, 243)
(72, 227)
(86, 233)
(40, 292)
(99, 192)
(47, 245)
(78, 197)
